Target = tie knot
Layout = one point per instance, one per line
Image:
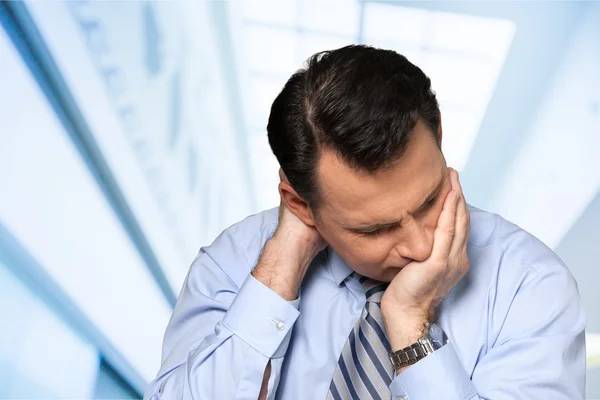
(373, 289)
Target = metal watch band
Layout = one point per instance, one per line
(411, 354)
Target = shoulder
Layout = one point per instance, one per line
(511, 266)
(495, 236)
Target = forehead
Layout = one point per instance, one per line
(352, 196)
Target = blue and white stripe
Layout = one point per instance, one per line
(364, 370)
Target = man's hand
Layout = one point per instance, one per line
(410, 299)
(288, 254)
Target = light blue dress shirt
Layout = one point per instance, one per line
(515, 324)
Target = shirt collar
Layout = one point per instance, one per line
(338, 267)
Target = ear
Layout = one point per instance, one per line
(296, 204)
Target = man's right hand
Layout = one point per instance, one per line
(288, 254)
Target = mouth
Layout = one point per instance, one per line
(390, 274)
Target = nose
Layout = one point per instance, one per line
(417, 242)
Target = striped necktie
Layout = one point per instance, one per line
(364, 370)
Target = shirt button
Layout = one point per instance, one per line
(280, 326)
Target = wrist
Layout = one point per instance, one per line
(281, 268)
(405, 327)
(298, 249)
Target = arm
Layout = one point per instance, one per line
(221, 338)
(225, 343)
(539, 353)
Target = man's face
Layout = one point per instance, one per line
(379, 223)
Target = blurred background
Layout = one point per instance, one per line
(132, 133)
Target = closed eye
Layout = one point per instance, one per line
(379, 231)
(429, 204)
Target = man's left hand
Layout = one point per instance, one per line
(412, 296)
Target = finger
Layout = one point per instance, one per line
(445, 230)
(454, 179)
(462, 228)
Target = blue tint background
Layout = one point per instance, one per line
(132, 133)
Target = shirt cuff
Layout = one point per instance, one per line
(262, 318)
(439, 376)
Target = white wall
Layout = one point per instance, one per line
(55, 209)
(40, 356)
(557, 171)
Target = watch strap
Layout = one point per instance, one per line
(411, 354)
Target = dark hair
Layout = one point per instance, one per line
(359, 101)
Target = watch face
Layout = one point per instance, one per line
(437, 336)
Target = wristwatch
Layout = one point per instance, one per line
(433, 339)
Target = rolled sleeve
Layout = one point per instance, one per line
(262, 318)
(438, 376)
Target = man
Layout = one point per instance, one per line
(373, 279)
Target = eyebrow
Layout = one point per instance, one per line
(385, 225)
